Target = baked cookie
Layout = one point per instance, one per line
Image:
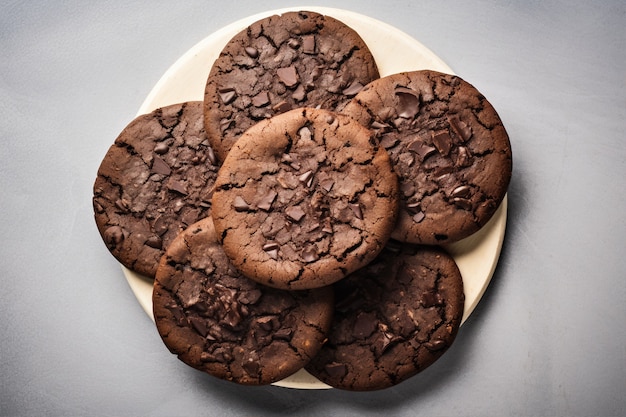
(393, 318)
(447, 145)
(154, 181)
(220, 322)
(297, 59)
(304, 198)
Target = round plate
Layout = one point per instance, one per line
(394, 51)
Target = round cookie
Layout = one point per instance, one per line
(281, 62)
(393, 318)
(447, 145)
(220, 322)
(153, 182)
(304, 198)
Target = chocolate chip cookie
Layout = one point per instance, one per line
(393, 318)
(447, 145)
(304, 198)
(220, 322)
(154, 181)
(297, 59)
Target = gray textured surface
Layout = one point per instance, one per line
(547, 339)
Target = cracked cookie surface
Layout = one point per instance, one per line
(297, 59)
(220, 322)
(304, 198)
(448, 147)
(154, 181)
(393, 318)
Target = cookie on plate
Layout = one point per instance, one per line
(281, 62)
(447, 145)
(153, 182)
(220, 322)
(304, 198)
(393, 318)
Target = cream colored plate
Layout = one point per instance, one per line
(395, 52)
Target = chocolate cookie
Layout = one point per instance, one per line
(298, 59)
(447, 145)
(393, 318)
(304, 198)
(154, 181)
(220, 322)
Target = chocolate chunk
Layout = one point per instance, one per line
(336, 370)
(252, 52)
(408, 102)
(462, 191)
(251, 366)
(407, 189)
(443, 142)
(422, 150)
(227, 95)
(271, 249)
(239, 204)
(225, 124)
(463, 203)
(154, 242)
(288, 76)
(430, 299)
(261, 99)
(384, 341)
(463, 157)
(281, 107)
(122, 204)
(353, 89)
(310, 254)
(299, 94)
(114, 235)
(177, 186)
(356, 209)
(161, 148)
(199, 324)
(327, 184)
(418, 217)
(389, 142)
(308, 44)
(160, 167)
(306, 178)
(283, 334)
(463, 130)
(365, 324)
(265, 203)
(436, 344)
(295, 213)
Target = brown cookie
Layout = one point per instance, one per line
(304, 198)
(154, 181)
(447, 145)
(297, 59)
(393, 318)
(220, 322)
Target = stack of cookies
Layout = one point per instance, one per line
(293, 218)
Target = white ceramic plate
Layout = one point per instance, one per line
(394, 51)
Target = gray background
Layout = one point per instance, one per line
(549, 337)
